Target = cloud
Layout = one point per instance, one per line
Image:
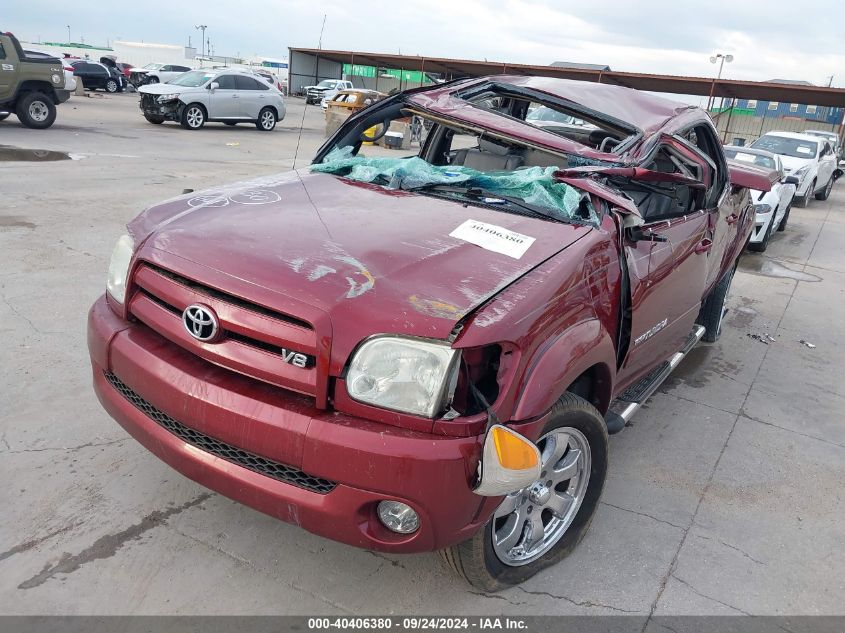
(768, 39)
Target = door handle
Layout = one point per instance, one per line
(732, 218)
(704, 245)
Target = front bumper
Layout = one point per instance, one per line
(364, 461)
(170, 110)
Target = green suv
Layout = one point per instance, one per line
(31, 87)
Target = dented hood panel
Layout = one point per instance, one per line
(374, 260)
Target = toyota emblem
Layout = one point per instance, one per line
(200, 322)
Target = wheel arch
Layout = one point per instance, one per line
(270, 107)
(34, 85)
(582, 359)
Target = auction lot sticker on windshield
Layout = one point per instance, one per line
(493, 238)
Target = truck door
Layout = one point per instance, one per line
(667, 259)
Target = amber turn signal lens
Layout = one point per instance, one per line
(514, 451)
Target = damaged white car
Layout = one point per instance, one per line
(771, 208)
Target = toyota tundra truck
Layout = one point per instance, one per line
(429, 352)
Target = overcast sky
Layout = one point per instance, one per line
(774, 39)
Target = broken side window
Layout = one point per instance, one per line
(558, 117)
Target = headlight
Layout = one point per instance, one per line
(762, 208)
(801, 172)
(409, 375)
(170, 97)
(119, 268)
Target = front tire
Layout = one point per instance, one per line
(36, 110)
(805, 201)
(825, 193)
(111, 86)
(762, 245)
(193, 116)
(155, 120)
(713, 308)
(152, 80)
(784, 219)
(266, 120)
(539, 526)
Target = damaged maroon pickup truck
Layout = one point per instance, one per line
(429, 352)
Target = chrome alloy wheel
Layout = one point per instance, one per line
(194, 117)
(38, 111)
(531, 521)
(268, 120)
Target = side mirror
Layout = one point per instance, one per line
(791, 180)
(213, 86)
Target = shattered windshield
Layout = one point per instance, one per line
(522, 190)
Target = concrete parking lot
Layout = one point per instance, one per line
(725, 496)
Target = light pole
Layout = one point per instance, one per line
(721, 58)
(68, 33)
(202, 27)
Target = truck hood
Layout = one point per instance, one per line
(375, 260)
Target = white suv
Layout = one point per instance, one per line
(809, 158)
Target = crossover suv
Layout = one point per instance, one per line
(809, 158)
(199, 96)
(95, 75)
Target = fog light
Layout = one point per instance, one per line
(398, 517)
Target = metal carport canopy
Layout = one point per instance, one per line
(676, 84)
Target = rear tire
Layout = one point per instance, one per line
(477, 559)
(713, 308)
(805, 201)
(825, 193)
(193, 116)
(155, 120)
(36, 110)
(266, 120)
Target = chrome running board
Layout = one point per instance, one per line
(623, 408)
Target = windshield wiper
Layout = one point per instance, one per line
(494, 200)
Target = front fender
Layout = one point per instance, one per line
(557, 364)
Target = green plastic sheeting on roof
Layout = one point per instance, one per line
(533, 185)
